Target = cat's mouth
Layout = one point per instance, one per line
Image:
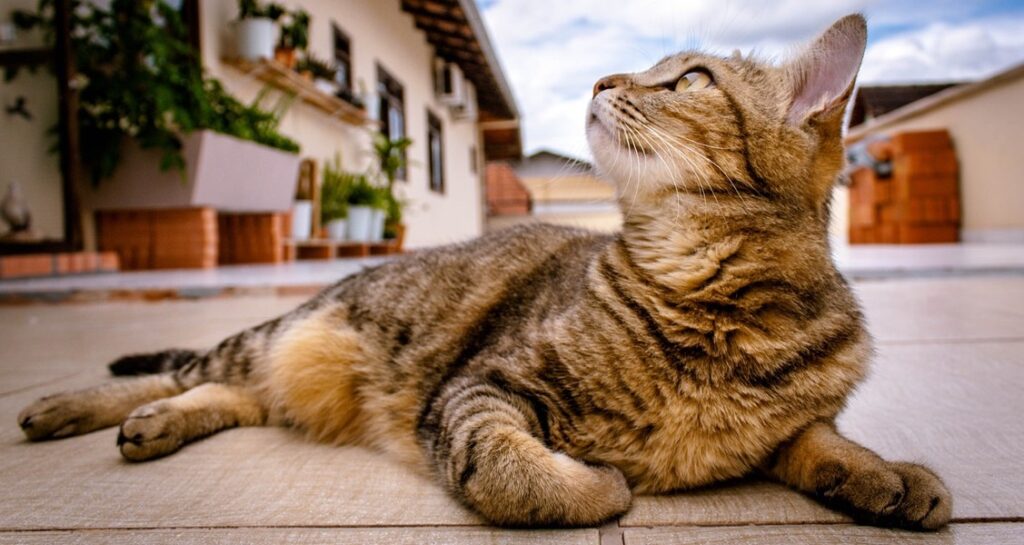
(627, 139)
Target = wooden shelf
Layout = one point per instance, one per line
(277, 75)
(320, 248)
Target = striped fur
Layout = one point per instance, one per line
(546, 374)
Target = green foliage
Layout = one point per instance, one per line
(252, 9)
(318, 67)
(391, 158)
(142, 80)
(334, 192)
(391, 155)
(362, 192)
(295, 30)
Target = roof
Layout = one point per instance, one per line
(457, 32)
(874, 101)
(580, 163)
(933, 102)
(568, 189)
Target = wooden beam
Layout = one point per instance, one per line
(67, 125)
(18, 58)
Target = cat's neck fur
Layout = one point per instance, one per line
(692, 243)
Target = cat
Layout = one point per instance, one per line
(544, 375)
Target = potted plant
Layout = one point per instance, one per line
(256, 32)
(155, 132)
(363, 199)
(391, 158)
(294, 37)
(334, 198)
(320, 72)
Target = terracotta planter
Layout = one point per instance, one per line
(221, 171)
(286, 56)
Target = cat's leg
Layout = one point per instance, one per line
(164, 426)
(485, 443)
(850, 477)
(83, 411)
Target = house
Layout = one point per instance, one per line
(986, 122)
(552, 188)
(872, 101)
(390, 52)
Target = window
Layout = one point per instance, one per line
(435, 151)
(392, 109)
(342, 60)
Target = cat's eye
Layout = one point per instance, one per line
(694, 80)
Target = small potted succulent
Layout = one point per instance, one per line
(320, 72)
(257, 29)
(294, 37)
(334, 197)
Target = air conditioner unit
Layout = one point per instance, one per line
(449, 83)
(468, 110)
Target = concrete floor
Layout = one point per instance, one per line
(946, 390)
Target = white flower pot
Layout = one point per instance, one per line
(325, 86)
(377, 228)
(337, 229)
(256, 38)
(360, 223)
(221, 171)
(302, 220)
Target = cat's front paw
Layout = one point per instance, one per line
(151, 431)
(57, 416)
(927, 503)
(897, 494)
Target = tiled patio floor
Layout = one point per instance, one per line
(947, 389)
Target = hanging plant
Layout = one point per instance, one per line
(142, 80)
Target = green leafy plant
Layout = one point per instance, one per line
(362, 192)
(391, 156)
(334, 191)
(294, 30)
(391, 159)
(318, 67)
(143, 81)
(253, 9)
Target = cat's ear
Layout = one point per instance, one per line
(823, 74)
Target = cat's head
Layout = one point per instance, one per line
(704, 125)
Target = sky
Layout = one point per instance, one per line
(554, 50)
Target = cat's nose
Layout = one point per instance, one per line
(610, 82)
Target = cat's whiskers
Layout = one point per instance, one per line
(658, 150)
(725, 176)
(743, 200)
(692, 167)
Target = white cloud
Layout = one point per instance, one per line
(945, 52)
(554, 50)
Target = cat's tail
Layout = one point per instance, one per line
(152, 363)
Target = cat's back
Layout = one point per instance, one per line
(444, 283)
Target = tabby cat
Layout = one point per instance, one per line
(544, 374)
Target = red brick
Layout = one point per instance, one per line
(917, 141)
(928, 234)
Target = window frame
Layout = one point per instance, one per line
(435, 133)
(391, 98)
(342, 57)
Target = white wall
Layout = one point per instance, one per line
(379, 32)
(24, 145)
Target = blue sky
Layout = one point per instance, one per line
(553, 50)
